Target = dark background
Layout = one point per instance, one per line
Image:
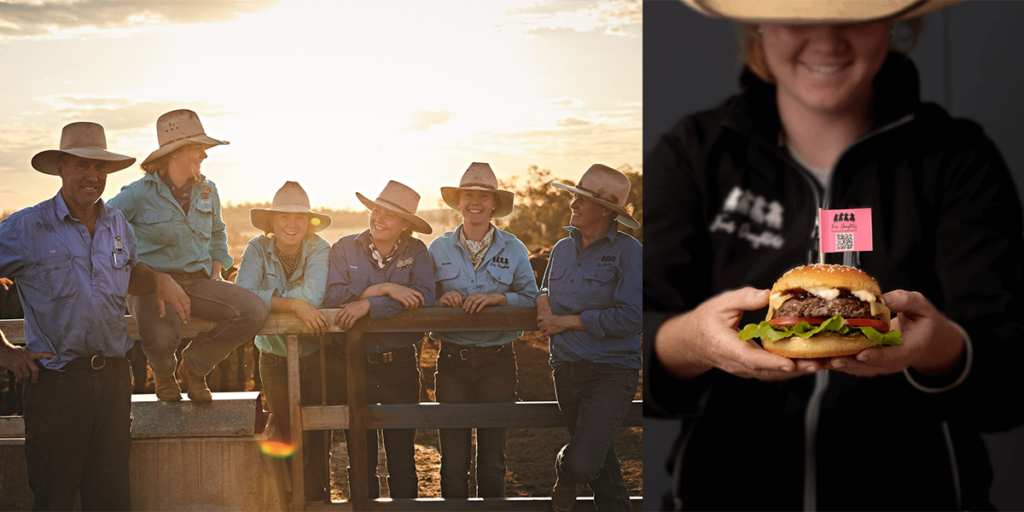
(971, 61)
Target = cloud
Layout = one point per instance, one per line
(423, 119)
(118, 113)
(565, 102)
(615, 18)
(573, 122)
(22, 19)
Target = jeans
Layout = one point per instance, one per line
(395, 382)
(240, 315)
(78, 436)
(594, 398)
(474, 376)
(274, 375)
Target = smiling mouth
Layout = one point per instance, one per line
(817, 68)
(475, 211)
(291, 232)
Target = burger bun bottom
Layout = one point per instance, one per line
(818, 346)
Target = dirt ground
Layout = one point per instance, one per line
(530, 452)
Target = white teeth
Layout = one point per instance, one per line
(825, 69)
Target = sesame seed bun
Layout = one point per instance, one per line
(833, 276)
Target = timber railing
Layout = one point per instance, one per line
(358, 417)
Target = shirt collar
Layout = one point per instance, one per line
(577, 237)
(64, 213)
(364, 239)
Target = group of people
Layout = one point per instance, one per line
(168, 244)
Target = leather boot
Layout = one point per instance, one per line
(563, 496)
(195, 384)
(167, 389)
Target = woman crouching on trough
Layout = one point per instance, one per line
(175, 214)
(478, 265)
(381, 272)
(592, 310)
(286, 267)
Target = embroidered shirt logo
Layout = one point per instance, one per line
(405, 263)
(500, 262)
(206, 192)
(607, 258)
(118, 245)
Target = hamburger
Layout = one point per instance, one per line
(819, 311)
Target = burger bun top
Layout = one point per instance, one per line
(832, 276)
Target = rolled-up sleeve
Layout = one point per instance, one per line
(315, 276)
(251, 272)
(524, 284)
(625, 317)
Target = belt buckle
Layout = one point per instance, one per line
(387, 357)
(369, 359)
(103, 362)
(462, 354)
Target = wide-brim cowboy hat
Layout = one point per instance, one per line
(179, 128)
(607, 187)
(480, 177)
(816, 11)
(84, 140)
(400, 200)
(290, 198)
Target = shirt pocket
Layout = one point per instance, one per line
(157, 228)
(55, 278)
(120, 274)
(202, 218)
(598, 287)
(558, 290)
(502, 278)
(447, 276)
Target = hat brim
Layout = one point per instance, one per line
(623, 216)
(418, 224)
(506, 199)
(209, 142)
(816, 11)
(46, 161)
(263, 218)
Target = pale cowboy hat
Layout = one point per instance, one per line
(400, 200)
(290, 198)
(178, 128)
(607, 187)
(479, 176)
(84, 140)
(816, 11)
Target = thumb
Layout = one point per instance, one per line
(42, 355)
(744, 299)
(902, 301)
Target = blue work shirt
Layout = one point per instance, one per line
(506, 269)
(72, 286)
(262, 273)
(353, 270)
(171, 239)
(603, 284)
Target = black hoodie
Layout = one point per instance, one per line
(727, 207)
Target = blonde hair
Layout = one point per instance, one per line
(752, 47)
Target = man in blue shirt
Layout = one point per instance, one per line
(74, 260)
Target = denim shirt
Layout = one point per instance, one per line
(171, 239)
(72, 286)
(506, 269)
(353, 270)
(604, 285)
(262, 273)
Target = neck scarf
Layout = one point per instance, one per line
(477, 250)
(289, 261)
(382, 261)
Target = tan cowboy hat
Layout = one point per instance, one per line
(479, 176)
(178, 128)
(607, 187)
(290, 198)
(816, 11)
(84, 140)
(400, 200)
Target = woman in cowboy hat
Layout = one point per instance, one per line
(478, 265)
(381, 272)
(286, 267)
(591, 308)
(175, 213)
(830, 117)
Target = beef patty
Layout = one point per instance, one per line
(819, 307)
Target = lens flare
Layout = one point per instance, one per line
(314, 221)
(276, 449)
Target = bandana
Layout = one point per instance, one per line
(382, 261)
(182, 194)
(289, 261)
(477, 250)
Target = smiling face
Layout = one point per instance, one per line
(476, 206)
(588, 214)
(827, 68)
(83, 180)
(290, 228)
(192, 157)
(386, 227)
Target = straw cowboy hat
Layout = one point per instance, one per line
(816, 11)
(178, 128)
(84, 140)
(479, 176)
(290, 198)
(607, 187)
(400, 200)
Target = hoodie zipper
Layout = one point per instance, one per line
(813, 413)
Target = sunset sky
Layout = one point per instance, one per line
(338, 95)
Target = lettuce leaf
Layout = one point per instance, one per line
(766, 331)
